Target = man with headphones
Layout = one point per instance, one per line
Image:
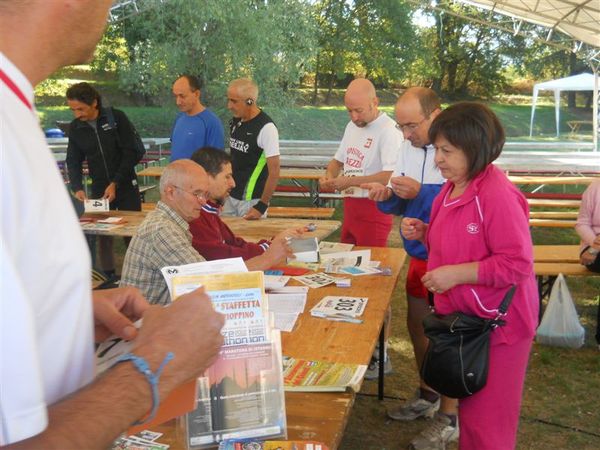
(196, 126)
(254, 146)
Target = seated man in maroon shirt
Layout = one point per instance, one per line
(211, 237)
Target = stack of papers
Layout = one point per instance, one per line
(286, 304)
(340, 308)
(356, 262)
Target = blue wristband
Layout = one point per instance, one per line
(142, 366)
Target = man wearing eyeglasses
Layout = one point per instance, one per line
(163, 238)
(412, 187)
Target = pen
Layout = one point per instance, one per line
(338, 318)
(343, 319)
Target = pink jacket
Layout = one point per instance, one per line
(588, 220)
(489, 223)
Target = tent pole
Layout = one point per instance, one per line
(595, 108)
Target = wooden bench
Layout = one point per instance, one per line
(148, 206)
(546, 273)
(300, 212)
(144, 189)
(552, 196)
(552, 223)
(553, 203)
(575, 125)
(553, 214)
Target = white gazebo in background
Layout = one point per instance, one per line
(581, 82)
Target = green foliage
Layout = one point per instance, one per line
(460, 58)
(219, 40)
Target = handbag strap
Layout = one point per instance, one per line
(507, 300)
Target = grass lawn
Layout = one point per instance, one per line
(327, 123)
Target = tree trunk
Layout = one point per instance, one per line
(316, 87)
(452, 70)
(329, 88)
(462, 90)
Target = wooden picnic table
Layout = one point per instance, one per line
(250, 230)
(575, 125)
(299, 174)
(323, 416)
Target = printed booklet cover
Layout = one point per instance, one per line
(241, 396)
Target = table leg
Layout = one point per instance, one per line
(380, 387)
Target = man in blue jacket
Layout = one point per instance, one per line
(410, 192)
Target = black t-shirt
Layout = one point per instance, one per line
(249, 163)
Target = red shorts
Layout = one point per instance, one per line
(414, 286)
(364, 224)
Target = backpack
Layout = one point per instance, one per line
(140, 150)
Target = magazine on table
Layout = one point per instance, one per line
(239, 397)
(239, 296)
(228, 265)
(321, 376)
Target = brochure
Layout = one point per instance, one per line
(321, 376)
(241, 396)
(251, 444)
(229, 265)
(240, 296)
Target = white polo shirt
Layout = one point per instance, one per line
(46, 324)
(369, 150)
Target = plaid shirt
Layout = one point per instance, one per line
(163, 239)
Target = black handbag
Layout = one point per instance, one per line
(457, 357)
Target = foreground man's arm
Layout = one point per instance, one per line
(94, 416)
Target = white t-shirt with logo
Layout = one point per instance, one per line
(369, 150)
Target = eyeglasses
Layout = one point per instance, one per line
(410, 127)
(200, 196)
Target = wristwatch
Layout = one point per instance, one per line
(592, 251)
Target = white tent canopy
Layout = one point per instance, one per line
(581, 82)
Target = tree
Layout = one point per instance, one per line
(385, 39)
(464, 58)
(334, 38)
(219, 40)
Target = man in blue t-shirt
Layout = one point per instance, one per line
(195, 126)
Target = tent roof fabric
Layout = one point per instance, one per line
(576, 18)
(581, 82)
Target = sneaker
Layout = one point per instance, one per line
(414, 408)
(372, 372)
(436, 435)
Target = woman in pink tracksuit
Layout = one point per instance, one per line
(479, 245)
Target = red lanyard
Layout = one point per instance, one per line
(13, 87)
